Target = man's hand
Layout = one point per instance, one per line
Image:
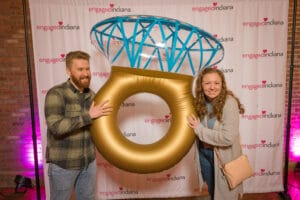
(102, 109)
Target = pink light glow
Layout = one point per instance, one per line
(30, 154)
(28, 148)
(295, 145)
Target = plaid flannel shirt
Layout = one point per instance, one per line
(69, 142)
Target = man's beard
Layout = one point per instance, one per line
(81, 82)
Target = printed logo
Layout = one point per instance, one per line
(58, 27)
(101, 74)
(264, 22)
(224, 39)
(263, 115)
(111, 8)
(164, 119)
(59, 59)
(113, 42)
(166, 178)
(214, 7)
(126, 191)
(263, 54)
(224, 70)
(263, 144)
(128, 104)
(118, 191)
(263, 85)
(264, 172)
(129, 134)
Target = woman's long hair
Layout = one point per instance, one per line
(218, 102)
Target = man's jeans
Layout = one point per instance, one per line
(62, 182)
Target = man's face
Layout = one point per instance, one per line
(80, 74)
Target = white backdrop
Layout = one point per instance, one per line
(254, 36)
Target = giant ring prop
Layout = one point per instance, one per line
(160, 55)
(145, 158)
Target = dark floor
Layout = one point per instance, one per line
(293, 192)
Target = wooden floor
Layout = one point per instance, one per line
(293, 193)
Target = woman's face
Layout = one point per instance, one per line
(212, 85)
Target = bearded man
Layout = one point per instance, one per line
(69, 111)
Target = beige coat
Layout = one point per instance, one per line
(224, 135)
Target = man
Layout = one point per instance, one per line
(69, 110)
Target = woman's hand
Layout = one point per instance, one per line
(193, 121)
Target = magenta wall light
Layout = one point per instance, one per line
(295, 144)
(28, 148)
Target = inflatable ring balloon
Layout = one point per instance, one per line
(159, 55)
(124, 82)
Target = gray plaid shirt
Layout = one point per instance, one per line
(69, 142)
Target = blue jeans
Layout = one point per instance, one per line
(62, 181)
(207, 169)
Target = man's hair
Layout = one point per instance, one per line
(76, 55)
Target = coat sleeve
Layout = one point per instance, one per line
(224, 133)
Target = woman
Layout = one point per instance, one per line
(216, 126)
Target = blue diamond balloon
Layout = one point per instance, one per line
(157, 43)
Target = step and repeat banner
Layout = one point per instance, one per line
(254, 36)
